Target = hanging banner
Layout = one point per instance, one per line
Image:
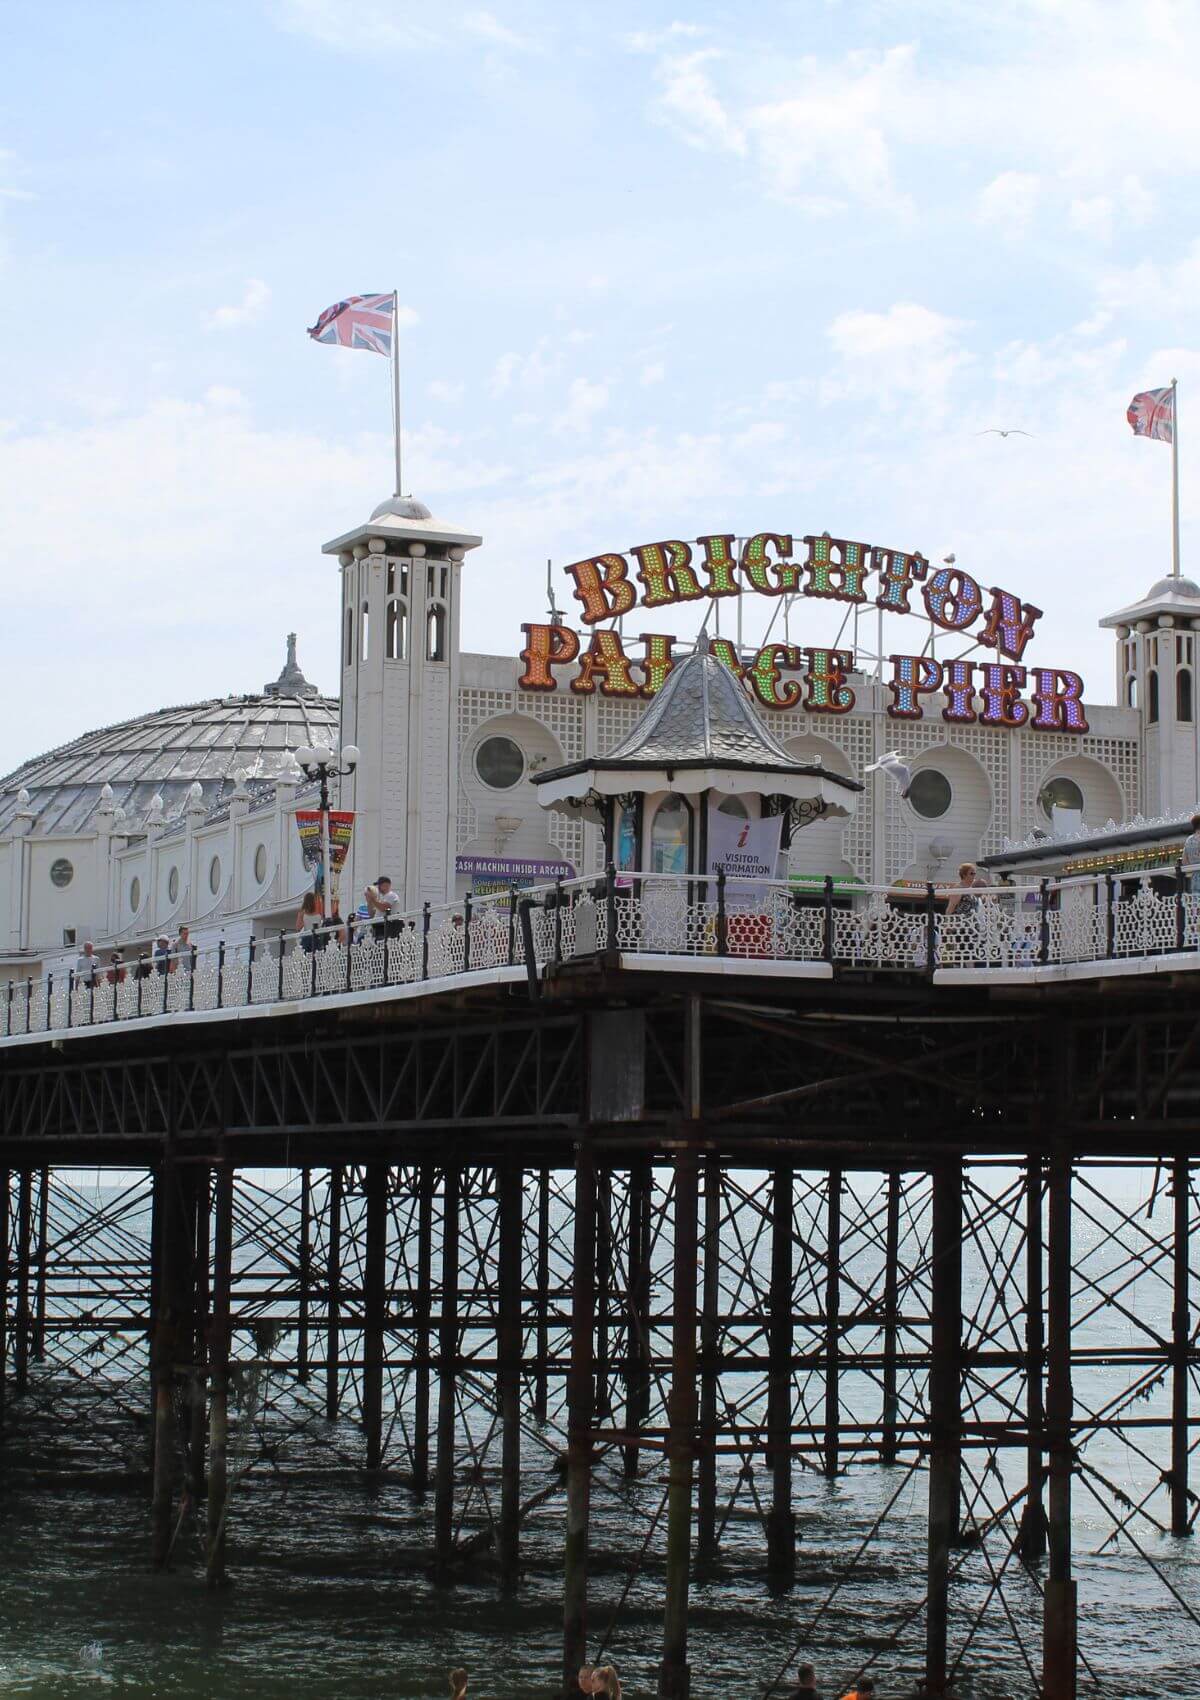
(745, 849)
(341, 829)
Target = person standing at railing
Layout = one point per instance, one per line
(308, 919)
(116, 969)
(162, 954)
(181, 951)
(1191, 856)
(384, 902)
(962, 899)
(87, 965)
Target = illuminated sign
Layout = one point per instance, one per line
(783, 675)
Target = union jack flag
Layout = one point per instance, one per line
(1152, 414)
(361, 321)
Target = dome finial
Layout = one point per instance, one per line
(291, 681)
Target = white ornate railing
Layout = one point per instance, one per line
(1106, 918)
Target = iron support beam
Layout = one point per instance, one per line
(374, 1309)
(579, 1423)
(710, 1367)
(443, 1491)
(944, 1380)
(333, 1292)
(674, 1676)
(781, 1523)
(422, 1306)
(1059, 1607)
(508, 1366)
(1181, 1339)
(220, 1338)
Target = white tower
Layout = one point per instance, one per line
(1157, 641)
(401, 589)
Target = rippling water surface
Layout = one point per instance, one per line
(330, 1595)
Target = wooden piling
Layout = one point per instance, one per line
(374, 1309)
(333, 1290)
(422, 1307)
(443, 1490)
(579, 1424)
(781, 1526)
(891, 1322)
(833, 1323)
(1059, 1605)
(23, 1319)
(304, 1276)
(1033, 1516)
(1181, 1335)
(637, 1306)
(944, 1413)
(541, 1369)
(220, 1339)
(674, 1676)
(508, 1361)
(710, 1366)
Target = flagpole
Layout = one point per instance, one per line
(1174, 478)
(396, 388)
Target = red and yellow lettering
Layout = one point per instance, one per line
(765, 672)
(1009, 624)
(913, 677)
(665, 570)
(1059, 698)
(656, 663)
(605, 658)
(828, 692)
(546, 647)
(1001, 692)
(952, 598)
(602, 585)
(836, 568)
(758, 568)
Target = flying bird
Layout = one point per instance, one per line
(894, 769)
(995, 431)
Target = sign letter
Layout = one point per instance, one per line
(1059, 698)
(546, 647)
(1009, 624)
(952, 598)
(913, 677)
(828, 692)
(602, 585)
(665, 570)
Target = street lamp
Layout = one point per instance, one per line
(322, 765)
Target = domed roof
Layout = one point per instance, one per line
(1173, 587)
(166, 752)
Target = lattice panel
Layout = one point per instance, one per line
(561, 713)
(853, 734)
(1041, 751)
(613, 720)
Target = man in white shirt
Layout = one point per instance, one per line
(384, 902)
(87, 966)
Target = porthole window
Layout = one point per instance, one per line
(930, 793)
(1060, 793)
(214, 875)
(173, 886)
(135, 896)
(499, 763)
(62, 872)
(260, 863)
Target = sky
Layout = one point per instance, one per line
(664, 271)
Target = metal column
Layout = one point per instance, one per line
(944, 1413)
(781, 1524)
(579, 1425)
(374, 1309)
(1059, 1619)
(674, 1676)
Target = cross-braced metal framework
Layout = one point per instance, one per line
(639, 1287)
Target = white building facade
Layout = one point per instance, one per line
(189, 814)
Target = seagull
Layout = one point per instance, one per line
(995, 431)
(894, 769)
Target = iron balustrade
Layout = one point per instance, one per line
(1011, 929)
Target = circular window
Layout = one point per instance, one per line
(260, 863)
(173, 886)
(61, 872)
(1060, 793)
(499, 763)
(135, 895)
(214, 875)
(930, 793)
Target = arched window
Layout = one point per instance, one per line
(670, 837)
(1152, 697)
(397, 631)
(1183, 694)
(435, 633)
(733, 806)
(1131, 690)
(349, 637)
(362, 644)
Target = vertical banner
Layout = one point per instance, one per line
(341, 829)
(745, 849)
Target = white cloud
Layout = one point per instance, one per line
(252, 306)
(406, 317)
(223, 395)
(653, 373)
(690, 105)
(1009, 202)
(584, 401)
(908, 352)
(361, 26)
(530, 371)
(441, 389)
(488, 28)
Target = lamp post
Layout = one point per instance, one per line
(322, 765)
